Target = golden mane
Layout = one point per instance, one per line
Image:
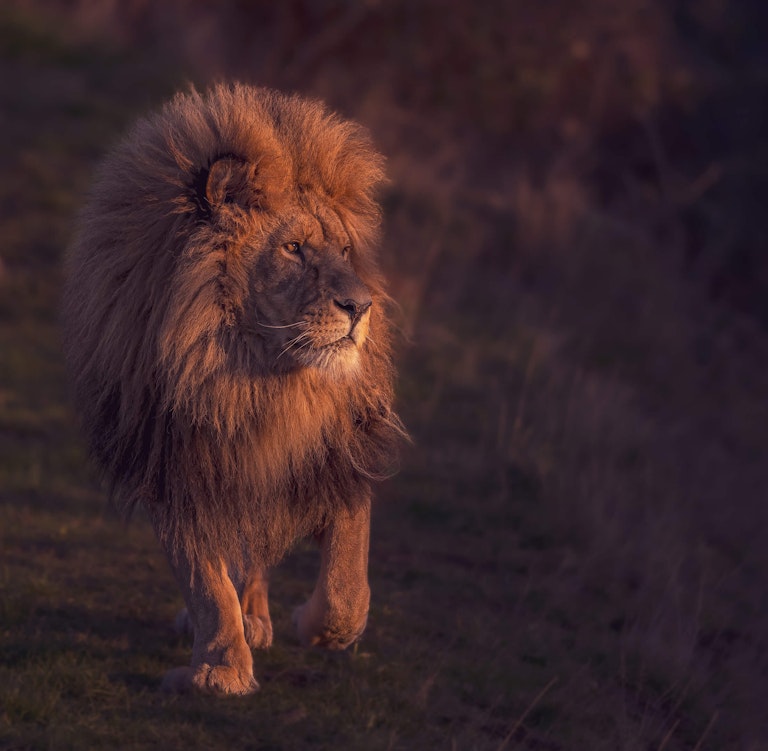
(181, 414)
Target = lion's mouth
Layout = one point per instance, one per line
(319, 342)
(343, 342)
(354, 336)
(340, 356)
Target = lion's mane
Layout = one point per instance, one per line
(226, 456)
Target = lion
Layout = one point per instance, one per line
(226, 330)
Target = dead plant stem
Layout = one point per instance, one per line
(525, 714)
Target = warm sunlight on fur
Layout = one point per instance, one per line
(227, 335)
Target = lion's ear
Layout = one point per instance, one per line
(229, 180)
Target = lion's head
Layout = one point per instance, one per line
(276, 273)
(302, 303)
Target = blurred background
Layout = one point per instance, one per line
(574, 553)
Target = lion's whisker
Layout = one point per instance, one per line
(293, 342)
(286, 326)
(300, 337)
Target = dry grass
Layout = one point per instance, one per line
(573, 555)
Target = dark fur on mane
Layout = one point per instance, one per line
(179, 417)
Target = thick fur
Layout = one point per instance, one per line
(190, 410)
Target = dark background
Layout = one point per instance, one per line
(573, 555)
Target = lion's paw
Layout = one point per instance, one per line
(326, 635)
(223, 679)
(210, 679)
(258, 631)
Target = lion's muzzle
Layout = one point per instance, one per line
(356, 309)
(351, 299)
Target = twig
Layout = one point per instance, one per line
(706, 730)
(521, 401)
(707, 179)
(666, 738)
(330, 37)
(525, 714)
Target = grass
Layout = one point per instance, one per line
(571, 557)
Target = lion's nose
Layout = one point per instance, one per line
(355, 308)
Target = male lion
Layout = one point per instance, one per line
(225, 328)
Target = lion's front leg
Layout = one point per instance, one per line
(336, 613)
(221, 659)
(254, 604)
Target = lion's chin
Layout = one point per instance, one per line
(340, 359)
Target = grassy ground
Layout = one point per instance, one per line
(571, 557)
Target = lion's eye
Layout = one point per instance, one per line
(345, 251)
(292, 247)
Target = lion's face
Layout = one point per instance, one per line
(280, 258)
(307, 307)
(301, 304)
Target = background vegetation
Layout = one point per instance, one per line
(573, 556)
